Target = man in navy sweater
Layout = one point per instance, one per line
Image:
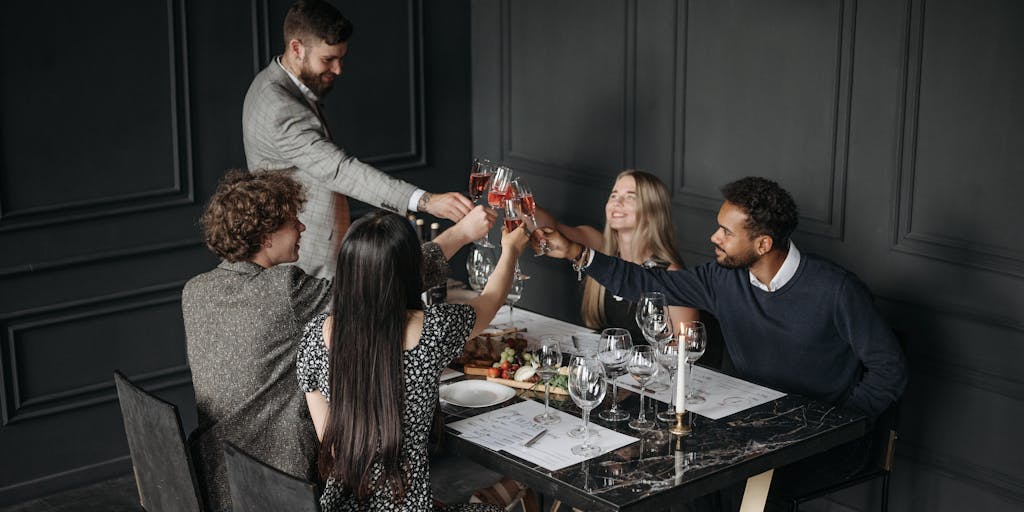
(791, 321)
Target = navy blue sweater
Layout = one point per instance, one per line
(819, 335)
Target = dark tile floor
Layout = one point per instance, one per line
(454, 481)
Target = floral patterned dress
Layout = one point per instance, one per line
(445, 330)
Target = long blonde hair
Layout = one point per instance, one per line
(653, 231)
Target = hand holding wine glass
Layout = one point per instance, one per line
(479, 181)
(587, 387)
(547, 359)
(528, 207)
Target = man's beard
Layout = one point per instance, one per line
(314, 81)
(738, 261)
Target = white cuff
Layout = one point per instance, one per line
(414, 199)
(590, 258)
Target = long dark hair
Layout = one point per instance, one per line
(378, 280)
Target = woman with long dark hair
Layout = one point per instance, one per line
(371, 369)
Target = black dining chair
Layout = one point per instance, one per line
(161, 461)
(258, 487)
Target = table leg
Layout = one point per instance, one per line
(756, 493)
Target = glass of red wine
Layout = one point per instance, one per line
(479, 179)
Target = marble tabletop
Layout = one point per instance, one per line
(661, 470)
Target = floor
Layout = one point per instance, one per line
(454, 480)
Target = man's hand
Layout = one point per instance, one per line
(450, 205)
(558, 246)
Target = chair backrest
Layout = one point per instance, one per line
(163, 466)
(257, 487)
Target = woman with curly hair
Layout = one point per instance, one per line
(243, 319)
(638, 229)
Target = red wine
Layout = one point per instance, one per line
(496, 198)
(528, 205)
(511, 224)
(478, 184)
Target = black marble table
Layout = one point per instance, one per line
(643, 475)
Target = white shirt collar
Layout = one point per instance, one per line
(302, 87)
(785, 273)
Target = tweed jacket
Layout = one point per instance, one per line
(243, 325)
(281, 130)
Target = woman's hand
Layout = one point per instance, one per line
(514, 241)
(476, 223)
(558, 245)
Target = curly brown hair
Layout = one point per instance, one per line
(246, 208)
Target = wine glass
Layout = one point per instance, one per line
(500, 188)
(479, 178)
(514, 294)
(667, 355)
(695, 338)
(653, 319)
(479, 266)
(524, 193)
(641, 365)
(579, 430)
(587, 387)
(547, 358)
(613, 351)
(513, 219)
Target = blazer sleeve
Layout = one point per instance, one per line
(297, 134)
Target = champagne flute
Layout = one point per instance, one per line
(479, 179)
(479, 266)
(695, 338)
(514, 294)
(500, 187)
(513, 219)
(613, 351)
(667, 355)
(642, 366)
(547, 358)
(529, 208)
(587, 387)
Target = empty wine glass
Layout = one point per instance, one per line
(641, 365)
(479, 179)
(695, 338)
(479, 266)
(579, 430)
(547, 358)
(613, 351)
(587, 387)
(653, 319)
(514, 294)
(667, 355)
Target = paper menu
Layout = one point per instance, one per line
(723, 395)
(538, 325)
(509, 428)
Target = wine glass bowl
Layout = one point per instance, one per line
(479, 266)
(587, 387)
(642, 366)
(500, 187)
(547, 359)
(667, 355)
(479, 182)
(613, 349)
(695, 340)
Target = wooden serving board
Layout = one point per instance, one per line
(539, 388)
(472, 369)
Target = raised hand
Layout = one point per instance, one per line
(558, 246)
(450, 205)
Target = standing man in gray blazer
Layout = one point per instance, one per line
(283, 127)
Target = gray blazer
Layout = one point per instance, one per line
(281, 130)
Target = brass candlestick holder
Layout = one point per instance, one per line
(680, 429)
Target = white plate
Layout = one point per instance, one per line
(475, 393)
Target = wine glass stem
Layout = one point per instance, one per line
(643, 390)
(689, 379)
(547, 396)
(586, 426)
(615, 397)
(511, 306)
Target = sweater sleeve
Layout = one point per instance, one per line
(687, 287)
(884, 367)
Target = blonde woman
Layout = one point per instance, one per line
(638, 229)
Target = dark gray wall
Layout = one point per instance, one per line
(897, 125)
(117, 121)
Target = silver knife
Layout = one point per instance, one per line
(535, 438)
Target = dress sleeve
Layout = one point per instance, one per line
(311, 361)
(450, 325)
(435, 267)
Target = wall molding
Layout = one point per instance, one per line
(181, 193)
(965, 471)
(99, 257)
(905, 239)
(15, 408)
(62, 480)
(833, 225)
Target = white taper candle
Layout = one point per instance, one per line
(681, 371)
